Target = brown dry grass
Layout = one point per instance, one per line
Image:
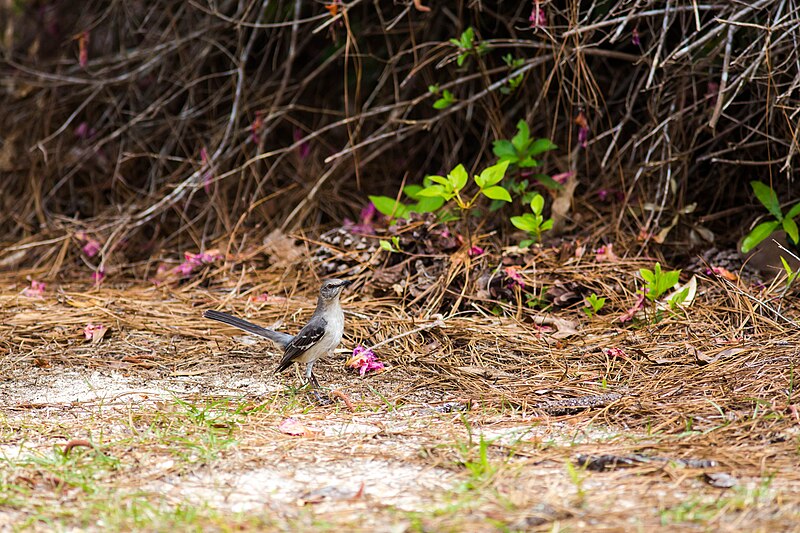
(475, 425)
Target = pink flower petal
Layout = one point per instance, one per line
(94, 332)
(292, 426)
(36, 290)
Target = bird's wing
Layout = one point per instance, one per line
(308, 337)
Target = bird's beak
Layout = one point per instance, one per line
(347, 282)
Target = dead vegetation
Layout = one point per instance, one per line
(163, 158)
(527, 420)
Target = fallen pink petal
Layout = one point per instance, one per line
(364, 360)
(292, 426)
(94, 332)
(36, 290)
(605, 254)
(630, 313)
(305, 148)
(475, 251)
(615, 352)
(515, 277)
(91, 248)
(98, 276)
(563, 177)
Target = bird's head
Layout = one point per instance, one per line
(332, 288)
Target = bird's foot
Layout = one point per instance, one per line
(321, 397)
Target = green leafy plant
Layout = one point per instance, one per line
(466, 45)
(521, 150)
(393, 208)
(677, 299)
(593, 304)
(791, 275)
(516, 81)
(769, 199)
(445, 100)
(657, 282)
(393, 246)
(534, 222)
(451, 187)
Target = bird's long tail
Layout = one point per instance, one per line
(281, 339)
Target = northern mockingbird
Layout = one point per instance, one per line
(319, 337)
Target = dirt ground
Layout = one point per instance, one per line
(484, 424)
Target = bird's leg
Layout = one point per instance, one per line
(312, 380)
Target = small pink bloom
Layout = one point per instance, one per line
(292, 426)
(615, 352)
(610, 195)
(94, 332)
(255, 127)
(605, 254)
(364, 361)
(304, 149)
(98, 276)
(36, 290)
(91, 248)
(538, 18)
(263, 297)
(630, 313)
(475, 251)
(583, 128)
(513, 274)
(563, 177)
(635, 37)
(83, 131)
(583, 137)
(83, 49)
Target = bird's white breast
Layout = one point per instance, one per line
(333, 336)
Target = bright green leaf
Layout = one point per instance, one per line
(386, 245)
(525, 223)
(541, 145)
(412, 190)
(547, 224)
(441, 180)
(492, 175)
(537, 204)
(387, 206)
(429, 205)
(794, 211)
(790, 227)
(442, 103)
(458, 177)
(527, 162)
(786, 267)
(759, 233)
(433, 191)
(525, 243)
(504, 150)
(766, 195)
(496, 193)
(522, 139)
(647, 275)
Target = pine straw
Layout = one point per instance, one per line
(667, 395)
(116, 147)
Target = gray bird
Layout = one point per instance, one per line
(319, 337)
